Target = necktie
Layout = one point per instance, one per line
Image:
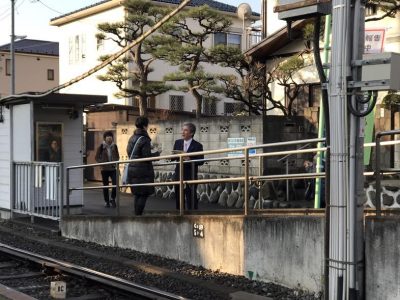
(185, 146)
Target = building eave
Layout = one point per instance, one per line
(98, 8)
(275, 41)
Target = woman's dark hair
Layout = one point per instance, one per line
(108, 133)
(142, 122)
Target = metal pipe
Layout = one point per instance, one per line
(246, 182)
(68, 192)
(287, 180)
(378, 175)
(260, 173)
(117, 187)
(12, 50)
(181, 188)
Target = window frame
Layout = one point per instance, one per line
(50, 74)
(8, 67)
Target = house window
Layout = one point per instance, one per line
(151, 102)
(228, 39)
(308, 95)
(100, 44)
(210, 107)
(76, 48)
(8, 67)
(50, 74)
(176, 103)
(232, 108)
(371, 10)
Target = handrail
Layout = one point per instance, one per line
(378, 171)
(247, 178)
(288, 155)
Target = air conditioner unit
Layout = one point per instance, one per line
(290, 10)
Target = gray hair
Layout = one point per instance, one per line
(191, 127)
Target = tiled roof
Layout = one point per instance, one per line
(214, 4)
(33, 47)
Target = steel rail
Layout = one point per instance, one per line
(98, 277)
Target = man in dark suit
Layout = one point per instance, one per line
(190, 169)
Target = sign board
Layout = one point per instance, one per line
(374, 41)
(198, 230)
(241, 142)
(58, 289)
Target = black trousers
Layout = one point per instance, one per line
(140, 203)
(106, 175)
(188, 192)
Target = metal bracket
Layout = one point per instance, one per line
(378, 83)
(368, 62)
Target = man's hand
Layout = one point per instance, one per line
(186, 158)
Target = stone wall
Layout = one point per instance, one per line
(213, 133)
(286, 250)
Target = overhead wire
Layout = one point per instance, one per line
(107, 61)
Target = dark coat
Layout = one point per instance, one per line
(195, 146)
(102, 156)
(141, 172)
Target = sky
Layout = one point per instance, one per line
(32, 16)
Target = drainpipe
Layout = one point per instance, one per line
(321, 122)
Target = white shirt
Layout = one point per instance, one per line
(186, 145)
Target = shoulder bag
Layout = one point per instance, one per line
(126, 167)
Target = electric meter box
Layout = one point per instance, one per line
(384, 75)
(291, 10)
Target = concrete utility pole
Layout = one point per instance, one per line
(346, 238)
(12, 51)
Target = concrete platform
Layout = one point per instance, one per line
(94, 205)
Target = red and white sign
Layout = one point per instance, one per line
(374, 41)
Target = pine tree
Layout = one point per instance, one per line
(131, 72)
(184, 44)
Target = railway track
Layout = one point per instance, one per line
(26, 275)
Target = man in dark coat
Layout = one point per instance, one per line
(190, 169)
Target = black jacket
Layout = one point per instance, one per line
(195, 146)
(141, 172)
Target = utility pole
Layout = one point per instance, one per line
(12, 51)
(347, 139)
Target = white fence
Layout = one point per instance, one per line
(38, 189)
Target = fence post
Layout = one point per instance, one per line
(61, 190)
(117, 198)
(68, 191)
(246, 181)
(260, 173)
(181, 190)
(378, 174)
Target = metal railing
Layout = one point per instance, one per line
(379, 170)
(38, 189)
(246, 179)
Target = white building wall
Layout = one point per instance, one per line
(87, 27)
(5, 160)
(86, 30)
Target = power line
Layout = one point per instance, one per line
(107, 61)
(52, 9)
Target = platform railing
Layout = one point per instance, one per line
(246, 179)
(38, 189)
(378, 168)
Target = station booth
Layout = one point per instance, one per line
(45, 137)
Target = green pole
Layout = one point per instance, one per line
(321, 122)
